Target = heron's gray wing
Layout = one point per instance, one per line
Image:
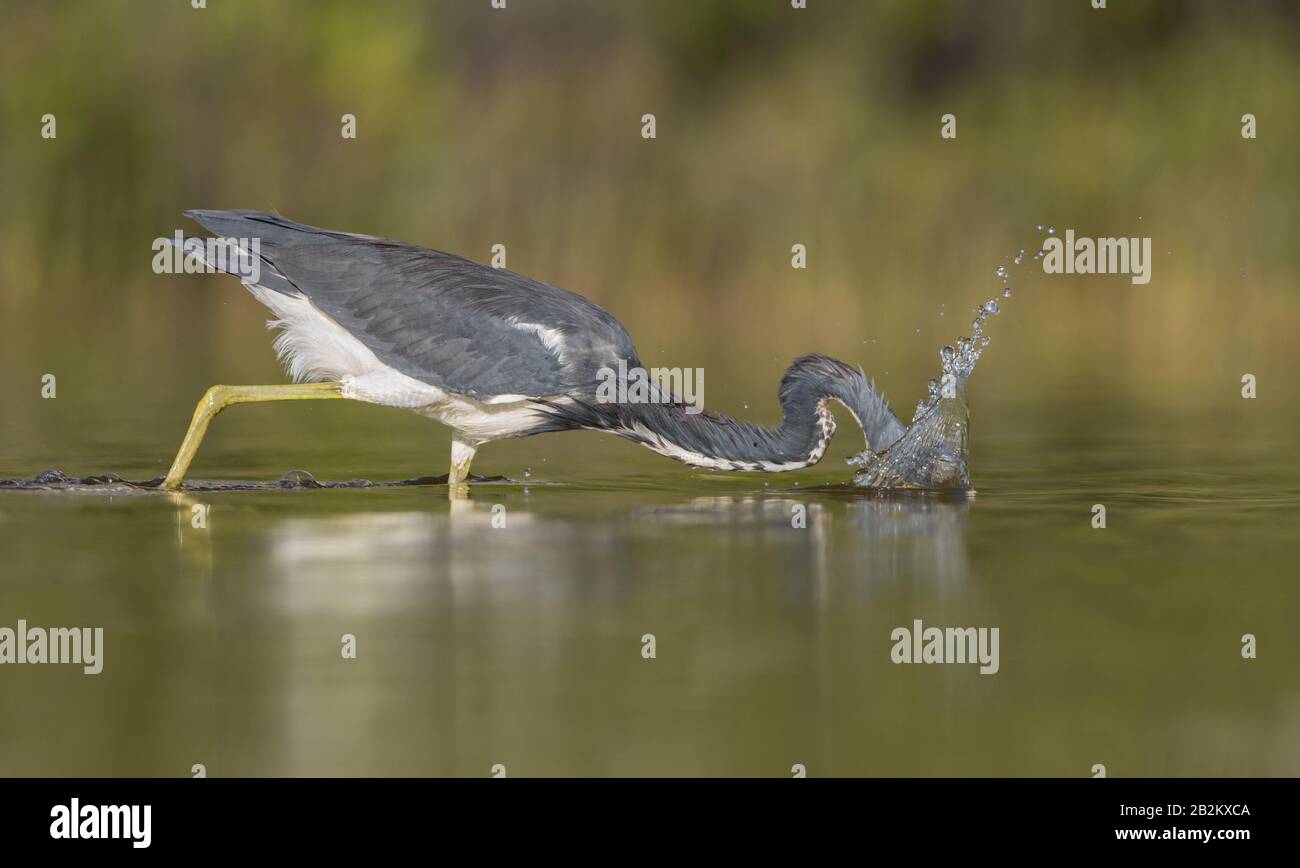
(444, 320)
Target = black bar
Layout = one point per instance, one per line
(333, 816)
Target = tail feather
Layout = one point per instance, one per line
(225, 254)
(271, 228)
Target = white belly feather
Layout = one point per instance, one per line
(315, 348)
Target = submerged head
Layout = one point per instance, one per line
(932, 453)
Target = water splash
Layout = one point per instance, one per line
(933, 452)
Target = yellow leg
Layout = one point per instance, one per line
(219, 398)
(462, 454)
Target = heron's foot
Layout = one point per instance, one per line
(462, 455)
(219, 398)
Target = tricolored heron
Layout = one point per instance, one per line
(491, 354)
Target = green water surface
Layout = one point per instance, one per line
(522, 645)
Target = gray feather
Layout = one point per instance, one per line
(441, 319)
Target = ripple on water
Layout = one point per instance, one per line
(294, 480)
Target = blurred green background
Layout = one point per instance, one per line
(774, 127)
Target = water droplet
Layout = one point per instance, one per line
(298, 479)
(1051, 230)
(1039, 227)
(1020, 257)
(1039, 255)
(528, 471)
(991, 307)
(1006, 293)
(1002, 272)
(946, 354)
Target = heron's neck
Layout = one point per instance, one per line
(723, 443)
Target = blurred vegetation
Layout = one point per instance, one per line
(775, 126)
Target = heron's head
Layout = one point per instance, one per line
(816, 377)
(932, 454)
